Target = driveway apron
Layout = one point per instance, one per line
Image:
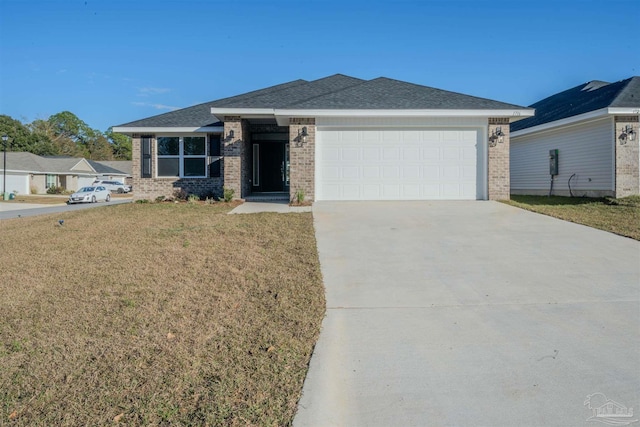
(471, 314)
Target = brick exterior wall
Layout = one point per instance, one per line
(627, 161)
(151, 188)
(498, 167)
(237, 166)
(302, 158)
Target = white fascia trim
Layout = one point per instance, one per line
(206, 129)
(244, 112)
(591, 115)
(282, 116)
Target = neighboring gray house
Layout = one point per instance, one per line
(336, 138)
(29, 173)
(594, 127)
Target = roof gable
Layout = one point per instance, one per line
(581, 99)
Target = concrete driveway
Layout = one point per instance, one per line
(470, 314)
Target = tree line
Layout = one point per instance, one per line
(64, 134)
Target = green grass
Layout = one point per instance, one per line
(157, 314)
(619, 216)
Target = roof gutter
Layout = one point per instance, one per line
(167, 129)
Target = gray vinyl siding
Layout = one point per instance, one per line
(585, 150)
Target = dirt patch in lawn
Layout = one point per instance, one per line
(619, 216)
(157, 314)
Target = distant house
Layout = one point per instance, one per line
(29, 173)
(594, 127)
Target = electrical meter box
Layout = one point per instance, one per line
(553, 162)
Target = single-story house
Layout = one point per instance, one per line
(336, 138)
(28, 173)
(594, 128)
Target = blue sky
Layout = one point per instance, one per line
(114, 61)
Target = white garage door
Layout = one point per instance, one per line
(19, 183)
(387, 164)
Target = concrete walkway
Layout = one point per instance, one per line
(470, 314)
(274, 206)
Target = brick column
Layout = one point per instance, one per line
(233, 152)
(498, 167)
(302, 158)
(627, 162)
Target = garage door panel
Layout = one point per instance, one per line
(391, 191)
(350, 172)
(431, 153)
(411, 172)
(350, 154)
(390, 154)
(450, 173)
(396, 164)
(371, 172)
(411, 153)
(351, 192)
(371, 191)
(390, 172)
(430, 173)
(330, 154)
(452, 153)
(331, 173)
(371, 154)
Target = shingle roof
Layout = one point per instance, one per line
(24, 161)
(388, 94)
(200, 115)
(112, 167)
(329, 93)
(582, 99)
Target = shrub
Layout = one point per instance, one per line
(193, 198)
(179, 194)
(227, 194)
(33, 189)
(299, 196)
(55, 190)
(160, 199)
(141, 201)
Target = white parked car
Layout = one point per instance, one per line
(90, 195)
(113, 186)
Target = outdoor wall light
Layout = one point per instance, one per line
(231, 134)
(302, 137)
(628, 134)
(497, 136)
(303, 134)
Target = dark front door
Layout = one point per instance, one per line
(270, 166)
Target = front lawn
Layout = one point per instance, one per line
(620, 216)
(156, 314)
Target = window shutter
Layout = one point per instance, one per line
(214, 145)
(146, 156)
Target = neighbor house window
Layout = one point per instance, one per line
(51, 181)
(182, 156)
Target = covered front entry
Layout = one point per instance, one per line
(270, 166)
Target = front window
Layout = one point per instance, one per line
(180, 156)
(51, 181)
